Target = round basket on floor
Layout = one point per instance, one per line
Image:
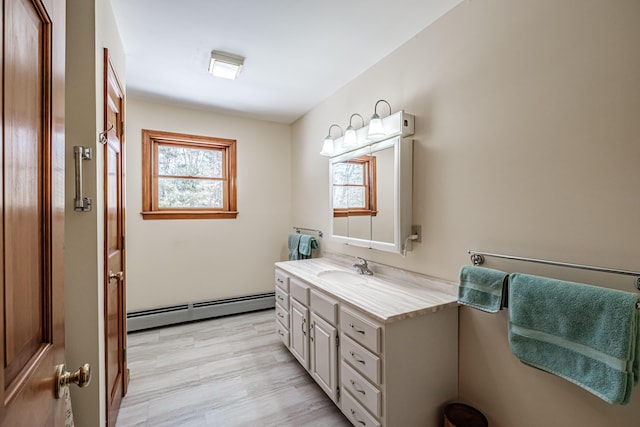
(461, 415)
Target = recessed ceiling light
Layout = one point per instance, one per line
(225, 65)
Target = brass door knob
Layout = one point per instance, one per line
(81, 378)
(118, 276)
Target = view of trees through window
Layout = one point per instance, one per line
(349, 185)
(189, 177)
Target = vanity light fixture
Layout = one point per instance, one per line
(350, 137)
(395, 124)
(225, 65)
(376, 129)
(328, 146)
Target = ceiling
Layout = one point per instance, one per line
(297, 52)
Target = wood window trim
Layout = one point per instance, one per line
(150, 210)
(371, 195)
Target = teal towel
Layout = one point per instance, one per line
(293, 243)
(482, 288)
(306, 244)
(585, 334)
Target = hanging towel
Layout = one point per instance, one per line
(585, 334)
(306, 244)
(482, 288)
(293, 243)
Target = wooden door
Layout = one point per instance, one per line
(117, 374)
(298, 332)
(32, 211)
(324, 355)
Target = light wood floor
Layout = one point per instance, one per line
(231, 371)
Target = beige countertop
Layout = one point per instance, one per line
(387, 296)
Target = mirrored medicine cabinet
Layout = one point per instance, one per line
(371, 189)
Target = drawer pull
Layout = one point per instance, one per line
(280, 280)
(280, 315)
(280, 298)
(360, 331)
(355, 387)
(356, 358)
(353, 414)
(280, 332)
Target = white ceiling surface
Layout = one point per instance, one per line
(298, 52)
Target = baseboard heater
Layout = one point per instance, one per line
(193, 311)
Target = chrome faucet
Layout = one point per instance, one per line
(362, 267)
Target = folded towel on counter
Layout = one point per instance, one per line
(586, 334)
(306, 244)
(482, 288)
(293, 242)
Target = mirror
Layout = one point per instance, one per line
(371, 191)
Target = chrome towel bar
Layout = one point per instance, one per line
(477, 258)
(308, 229)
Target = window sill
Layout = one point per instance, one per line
(168, 214)
(359, 212)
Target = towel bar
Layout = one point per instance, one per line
(477, 258)
(308, 229)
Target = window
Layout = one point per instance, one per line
(354, 187)
(187, 176)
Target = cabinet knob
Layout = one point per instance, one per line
(355, 329)
(356, 358)
(355, 387)
(355, 417)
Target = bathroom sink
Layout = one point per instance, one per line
(342, 277)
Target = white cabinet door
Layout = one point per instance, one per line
(299, 332)
(324, 361)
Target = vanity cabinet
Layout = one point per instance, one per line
(282, 306)
(385, 373)
(299, 320)
(323, 340)
(399, 373)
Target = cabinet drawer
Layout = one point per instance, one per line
(283, 333)
(365, 392)
(324, 306)
(282, 298)
(282, 315)
(356, 413)
(282, 280)
(360, 329)
(367, 363)
(299, 290)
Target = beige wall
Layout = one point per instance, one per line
(90, 27)
(527, 143)
(177, 261)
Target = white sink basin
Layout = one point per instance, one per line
(342, 277)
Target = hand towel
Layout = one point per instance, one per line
(306, 244)
(482, 288)
(293, 242)
(586, 334)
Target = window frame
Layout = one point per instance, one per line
(369, 184)
(151, 139)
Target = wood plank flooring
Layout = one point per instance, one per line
(230, 371)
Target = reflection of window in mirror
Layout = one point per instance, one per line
(354, 187)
